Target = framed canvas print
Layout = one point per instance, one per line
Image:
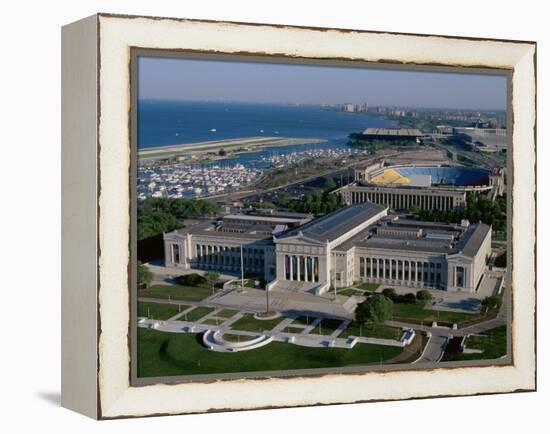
(261, 216)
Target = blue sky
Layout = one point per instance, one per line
(209, 80)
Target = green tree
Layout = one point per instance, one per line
(158, 215)
(328, 183)
(144, 276)
(491, 302)
(211, 279)
(155, 223)
(283, 199)
(424, 296)
(375, 309)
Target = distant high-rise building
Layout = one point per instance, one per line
(348, 107)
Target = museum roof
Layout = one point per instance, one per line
(464, 240)
(247, 226)
(473, 238)
(334, 225)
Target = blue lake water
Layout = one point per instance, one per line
(162, 123)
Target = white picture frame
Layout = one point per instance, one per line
(96, 253)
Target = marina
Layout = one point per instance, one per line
(183, 180)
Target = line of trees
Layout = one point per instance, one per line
(478, 208)
(158, 215)
(317, 202)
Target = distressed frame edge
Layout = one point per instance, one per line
(529, 385)
(79, 140)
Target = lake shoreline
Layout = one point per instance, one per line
(232, 147)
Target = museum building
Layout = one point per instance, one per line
(358, 243)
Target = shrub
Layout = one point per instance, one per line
(491, 302)
(389, 293)
(409, 298)
(424, 295)
(144, 276)
(193, 279)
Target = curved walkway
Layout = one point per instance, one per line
(214, 341)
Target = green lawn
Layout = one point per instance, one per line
(348, 292)
(226, 313)
(176, 292)
(372, 331)
(368, 286)
(492, 342)
(197, 313)
(251, 324)
(231, 337)
(166, 354)
(328, 326)
(159, 311)
(404, 311)
(213, 321)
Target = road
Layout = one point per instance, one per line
(434, 350)
(302, 184)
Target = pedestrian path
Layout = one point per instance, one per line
(305, 338)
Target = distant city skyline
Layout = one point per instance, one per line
(231, 81)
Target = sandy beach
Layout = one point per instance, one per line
(249, 144)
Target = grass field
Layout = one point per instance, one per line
(176, 292)
(348, 292)
(213, 321)
(372, 331)
(231, 337)
(226, 313)
(404, 311)
(166, 354)
(250, 324)
(158, 311)
(492, 342)
(197, 313)
(368, 286)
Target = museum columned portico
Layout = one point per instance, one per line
(301, 268)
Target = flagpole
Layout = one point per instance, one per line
(242, 268)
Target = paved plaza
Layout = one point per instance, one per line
(309, 334)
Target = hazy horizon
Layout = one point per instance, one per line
(171, 79)
(221, 101)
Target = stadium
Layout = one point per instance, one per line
(426, 187)
(424, 176)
